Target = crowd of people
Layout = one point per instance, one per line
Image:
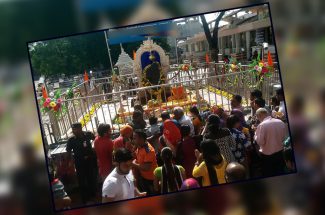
(183, 150)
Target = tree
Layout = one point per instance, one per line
(69, 55)
(212, 38)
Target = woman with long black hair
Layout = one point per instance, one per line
(221, 136)
(169, 176)
(210, 164)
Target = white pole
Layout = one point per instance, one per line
(109, 53)
(176, 51)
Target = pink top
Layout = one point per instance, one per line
(270, 135)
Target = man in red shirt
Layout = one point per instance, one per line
(145, 162)
(104, 147)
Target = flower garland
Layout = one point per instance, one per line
(232, 66)
(87, 117)
(261, 70)
(225, 94)
(70, 93)
(185, 67)
(53, 103)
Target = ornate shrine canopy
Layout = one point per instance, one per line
(124, 63)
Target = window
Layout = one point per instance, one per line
(192, 47)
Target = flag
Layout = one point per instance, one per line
(269, 59)
(44, 93)
(133, 55)
(207, 58)
(86, 78)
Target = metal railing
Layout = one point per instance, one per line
(204, 87)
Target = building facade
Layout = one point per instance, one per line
(239, 38)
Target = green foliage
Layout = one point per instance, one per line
(69, 55)
(72, 55)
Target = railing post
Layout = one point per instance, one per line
(55, 126)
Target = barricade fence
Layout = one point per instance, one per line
(205, 87)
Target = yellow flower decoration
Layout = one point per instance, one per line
(52, 104)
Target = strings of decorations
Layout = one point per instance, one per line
(182, 68)
(232, 66)
(52, 103)
(224, 94)
(261, 69)
(87, 117)
(258, 68)
(70, 93)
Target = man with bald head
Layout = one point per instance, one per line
(269, 135)
(182, 119)
(235, 172)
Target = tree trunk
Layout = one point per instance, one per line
(212, 39)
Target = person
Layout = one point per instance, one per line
(120, 183)
(185, 155)
(235, 172)
(154, 127)
(171, 135)
(289, 159)
(145, 162)
(220, 112)
(61, 198)
(269, 135)
(164, 116)
(190, 183)
(280, 97)
(85, 161)
(243, 125)
(196, 120)
(282, 108)
(254, 95)
(153, 132)
(182, 118)
(124, 140)
(103, 145)
(221, 136)
(137, 120)
(254, 55)
(138, 106)
(233, 124)
(210, 164)
(258, 103)
(168, 177)
(236, 103)
(274, 104)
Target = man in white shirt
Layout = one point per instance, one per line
(270, 135)
(119, 184)
(183, 119)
